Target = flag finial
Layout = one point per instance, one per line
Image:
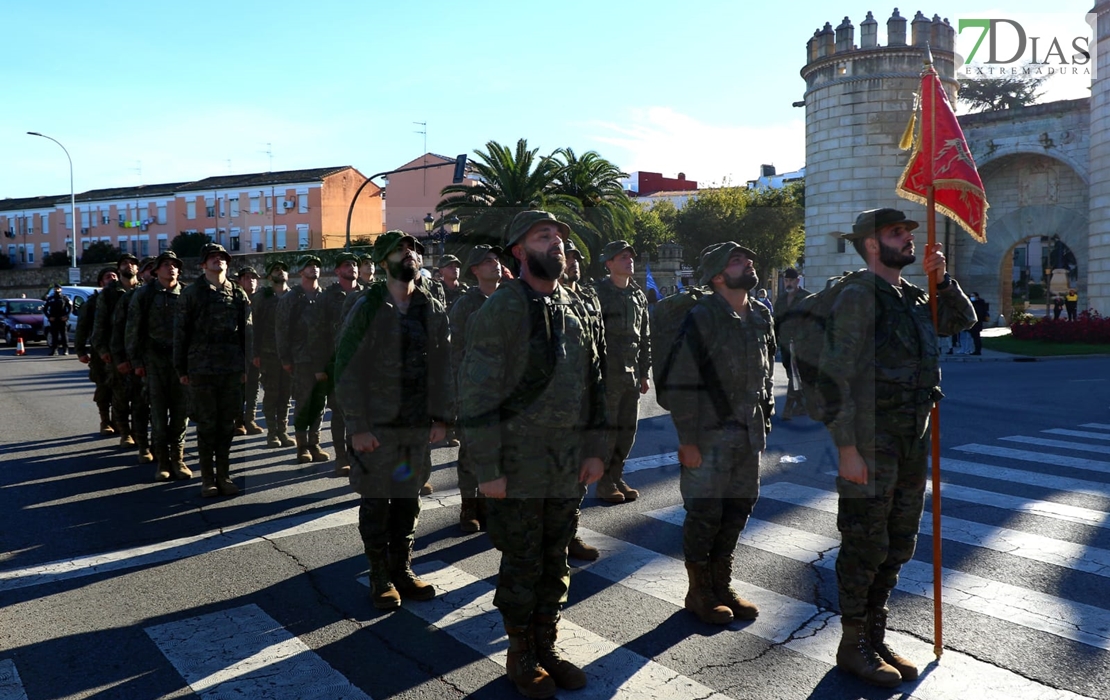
(928, 55)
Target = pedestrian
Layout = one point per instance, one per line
(793, 292)
(56, 310)
(346, 270)
(761, 297)
(277, 383)
(624, 314)
(211, 335)
(982, 316)
(247, 278)
(449, 270)
(127, 272)
(483, 265)
(394, 385)
(1072, 303)
(721, 404)
(533, 403)
(304, 349)
(98, 372)
(149, 340)
(880, 358)
(135, 386)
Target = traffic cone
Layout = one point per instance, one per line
(19, 349)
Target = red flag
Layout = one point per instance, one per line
(941, 158)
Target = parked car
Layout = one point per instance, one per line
(21, 318)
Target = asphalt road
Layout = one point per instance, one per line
(114, 586)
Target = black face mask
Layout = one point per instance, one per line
(545, 267)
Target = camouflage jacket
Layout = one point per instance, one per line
(627, 339)
(101, 339)
(393, 369)
(452, 296)
(881, 359)
(335, 300)
(301, 330)
(460, 315)
(722, 372)
(149, 330)
(85, 317)
(211, 329)
(532, 364)
(264, 306)
(118, 343)
(782, 309)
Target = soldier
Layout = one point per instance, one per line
(56, 311)
(434, 289)
(395, 389)
(533, 403)
(484, 265)
(881, 360)
(127, 270)
(794, 294)
(211, 334)
(149, 342)
(449, 269)
(303, 346)
(721, 403)
(624, 312)
(335, 297)
(98, 372)
(136, 386)
(245, 424)
(578, 549)
(366, 270)
(278, 383)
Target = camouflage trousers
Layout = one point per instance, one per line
(623, 406)
(719, 495)
(388, 481)
(250, 393)
(215, 400)
(278, 386)
(467, 472)
(168, 410)
(98, 375)
(534, 524)
(311, 396)
(338, 424)
(120, 386)
(878, 522)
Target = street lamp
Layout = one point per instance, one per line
(447, 227)
(72, 207)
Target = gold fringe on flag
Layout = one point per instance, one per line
(907, 135)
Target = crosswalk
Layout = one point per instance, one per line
(1028, 515)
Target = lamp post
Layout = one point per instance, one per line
(72, 207)
(447, 227)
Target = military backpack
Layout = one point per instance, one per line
(666, 322)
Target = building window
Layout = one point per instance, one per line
(302, 237)
(45, 250)
(254, 204)
(281, 238)
(86, 243)
(144, 246)
(69, 220)
(31, 253)
(162, 214)
(210, 208)
(85, 219)
(105, 218)
(163, 243)
(191, 209)
(256, 239)
(30, 229)
(45, 223)
(11, 252)
(234, 207)
(302, 203)
(235, 241)
(223, 207)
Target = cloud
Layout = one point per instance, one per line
(660, 139)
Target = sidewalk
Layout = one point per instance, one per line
(996, 356)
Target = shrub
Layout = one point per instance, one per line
(1090, 327)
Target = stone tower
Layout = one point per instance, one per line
(858, 101)
(1098, 279)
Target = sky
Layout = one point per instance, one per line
(144, 93)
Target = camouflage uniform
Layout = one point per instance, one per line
(277, 383)
(335, 298)
(783, 305)
(627, 362)
(101, 343)
(98, 373)
(211, 334)
(149, 341)
(136, 385)
(304, 342)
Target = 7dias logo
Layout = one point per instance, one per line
(1049, 45)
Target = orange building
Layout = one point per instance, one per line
(411, 196)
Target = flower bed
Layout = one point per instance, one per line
(1090, 327)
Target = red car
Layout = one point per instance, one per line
(21, 318)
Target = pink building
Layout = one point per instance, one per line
(413, 195)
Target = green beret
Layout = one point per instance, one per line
(614, 249)
(525, 220)
(390, 241)
(714, 259)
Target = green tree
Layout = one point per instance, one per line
(769, 221)
(188, 244)
(652, 226)
(100, 252)
(596, 185)
(59, 258)
(995, 94)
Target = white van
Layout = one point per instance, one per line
(77, 296)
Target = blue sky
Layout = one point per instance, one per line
(158, 92)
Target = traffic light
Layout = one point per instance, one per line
(460, 169)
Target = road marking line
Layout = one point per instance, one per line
(1062, 444)
(1079, 622)
(1078, 433)
(11, 687)
(1038, 457)
(463, 608)
(1076, 557)
(636, 464)
(1096, 426)
(1059, 485)
(245, 653)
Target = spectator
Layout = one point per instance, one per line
(1057, 307)
(982, 315)
(761, 297)
(57, 310)
(1072, 303)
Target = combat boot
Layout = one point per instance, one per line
(406, 581)
(315, 452)
(383, 594)
(162, 471)
(252, 427)
(721, 570)
(177, 463)
(629, 493)
(283, 434)
(856, 655)
(426, 489)
(106, 421)
(143, 445)
(523, 668)
(700, 599)
(608, 491)
(342, 462)
(468, 516)
(124, 432)
(272, 439)
(876, 630)
(240, 429)
(224, 484)
(565, 674)
(303, 456)
(577, 549)
(207, 470)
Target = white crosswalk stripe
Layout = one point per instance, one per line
(1059, 484)
(1095, 465)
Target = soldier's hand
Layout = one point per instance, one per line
(437, 433)
(689, 456)
(591, 471)
(124, 367)
(107, 358)
(83, 359)
(256, 361)
(321, 376)
(644, 386)
(364, 442)
(852, 466)
(185, 380)
(495, 488)
(934, 263)
(288, 368)
(140, 371)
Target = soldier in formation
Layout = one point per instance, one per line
(247, 278)
(450, 268)
(127, 271)
(793, 293)
(335, 297)
(98, 371)
(277, 383)
(135, 385)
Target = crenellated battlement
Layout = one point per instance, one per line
(827, 42)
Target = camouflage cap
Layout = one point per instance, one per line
(390, 241)
(478, 255)
(127, 256)
(870, 221)
(525, 220)
(168, 255)
(569, 247)
(365, 258)
(615, 248)
(449, 260)
(247, 270)
(104, 271)
(714, 259)
(275, 264)
(345, 256)
(147, 262)
(214, 249)
(306, 260)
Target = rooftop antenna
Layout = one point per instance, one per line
(270, 153)
(424, 131)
